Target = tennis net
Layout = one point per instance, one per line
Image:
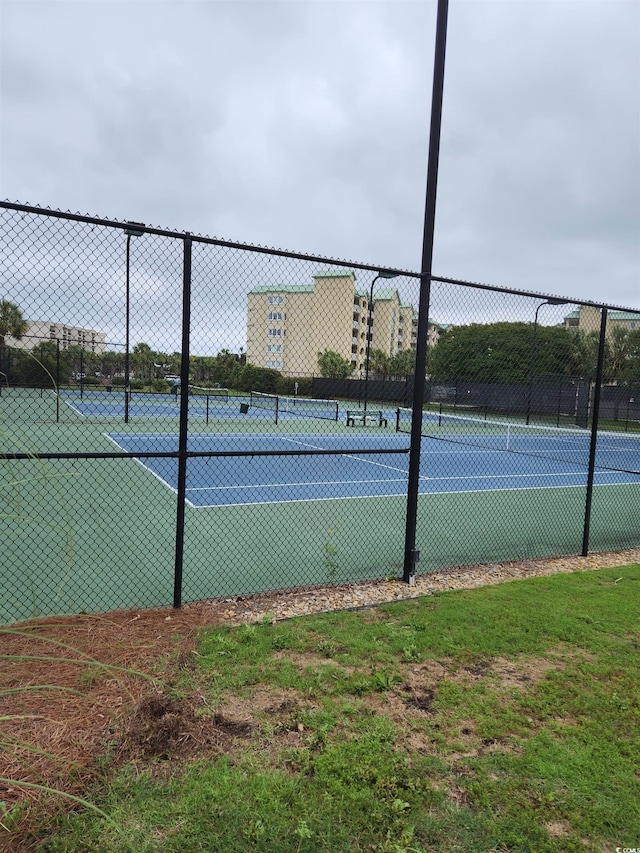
(615, 451)
(302, 406)
(220, 394)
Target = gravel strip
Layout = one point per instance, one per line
(302, 602)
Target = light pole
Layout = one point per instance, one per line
(132, 231)
(550, 301)
(369, 331)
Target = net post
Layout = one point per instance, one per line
(277, 407)
(207, 418)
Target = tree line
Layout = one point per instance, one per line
(507, 353)
(503, 352)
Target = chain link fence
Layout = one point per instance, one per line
(185, 418)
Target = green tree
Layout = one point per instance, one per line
(631, 373)
(499, 352)
(39, 366)
(333, 365)
(142, 360)
(583, 354)
(617, 354)
(111, 363)
(11, 321)
(402, 364)
(378, 363)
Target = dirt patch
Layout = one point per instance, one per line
(558, 828)
(163, 727)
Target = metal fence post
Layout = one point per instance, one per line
(411, 555)
(184, 417)
(57, 380)
(594, 432)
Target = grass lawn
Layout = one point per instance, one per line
(504, 718)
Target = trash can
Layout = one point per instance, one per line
(109, 387)
(244, 408)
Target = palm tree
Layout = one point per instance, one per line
(11, 321)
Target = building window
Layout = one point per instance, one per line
(275, 365)
(275, 315)
(275, 300)
(274, 347)
(275, 333)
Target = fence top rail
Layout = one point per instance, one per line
(199, 238)
(247, 247)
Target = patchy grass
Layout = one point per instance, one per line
(502, 718)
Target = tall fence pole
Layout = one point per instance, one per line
(411, 554)
(184, 422)
(57, 380)
(594, 432)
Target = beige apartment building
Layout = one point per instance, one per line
(289, 325)
(587, 319)
(39, 331)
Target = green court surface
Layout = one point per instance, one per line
(98, 535)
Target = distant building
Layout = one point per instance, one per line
(39, 331)
(587, 319)
(288, 325)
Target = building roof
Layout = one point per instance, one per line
(612, 315)
(334, 273)
(282, 288)
(385, 294)
(623, 315)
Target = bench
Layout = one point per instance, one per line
(376, 418)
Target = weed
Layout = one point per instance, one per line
(385, 681)
(411, 653)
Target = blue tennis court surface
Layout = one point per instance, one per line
(242, 480)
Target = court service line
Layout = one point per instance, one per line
(349, 456)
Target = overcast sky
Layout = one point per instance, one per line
(304, 125)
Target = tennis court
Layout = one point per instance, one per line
(98, 534)
(451, 463)
(204, 403)
(102, 404)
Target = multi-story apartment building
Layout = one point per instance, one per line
(288, 326)
(39, 331)
(587, 319)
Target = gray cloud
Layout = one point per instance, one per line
(305, 126)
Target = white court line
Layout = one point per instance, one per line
(346, 482)
(390, 480)
(350, 456)
(71, 406)
(146, 468)
(295, 485)
(401, 495)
